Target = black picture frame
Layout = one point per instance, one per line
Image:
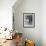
(28, 20)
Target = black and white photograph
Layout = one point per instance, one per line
(29, 20)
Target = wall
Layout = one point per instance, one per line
(28, 6)
(6, 13)
(43, 22)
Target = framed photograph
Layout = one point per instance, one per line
(29, 20)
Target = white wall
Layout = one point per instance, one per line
(6, 13)
(43, 22)
(28, 6)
